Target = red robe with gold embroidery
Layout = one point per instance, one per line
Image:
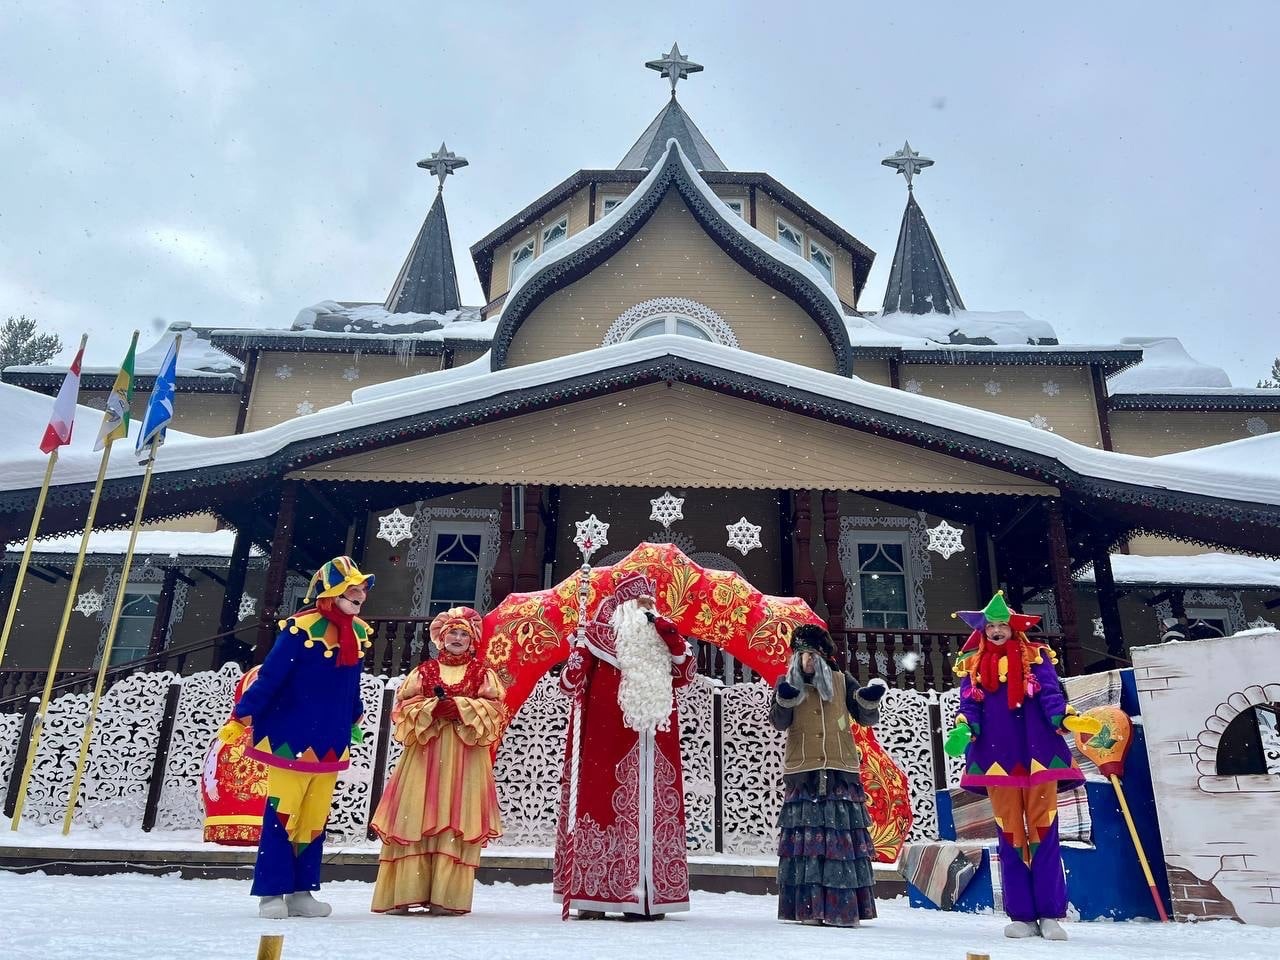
(627, 849)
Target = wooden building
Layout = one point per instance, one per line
(676, 326)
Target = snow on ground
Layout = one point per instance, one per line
(129, 917)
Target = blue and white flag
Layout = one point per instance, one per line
(160, 405)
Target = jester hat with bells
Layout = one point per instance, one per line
(330, 582)
(455, 618)
(989, 664)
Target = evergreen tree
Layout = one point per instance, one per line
(21, 345)
(1274, 380)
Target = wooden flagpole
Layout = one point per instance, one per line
(105, 659)
(26, 553)
(67, 607)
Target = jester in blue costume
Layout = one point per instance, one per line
(1010, 728)
(303, 712)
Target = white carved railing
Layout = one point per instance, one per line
(736, 813)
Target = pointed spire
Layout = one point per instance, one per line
(428, 281)
(919, 281)
(672, 122)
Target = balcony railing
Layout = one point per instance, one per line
(907, 659)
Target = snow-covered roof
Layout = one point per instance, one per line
(1257, 457)
(163, 543)
(27, 412)
(1165, 366)
(1198, 570)
(330, 316)
(474, 382)
(196, 358)
(971, 327)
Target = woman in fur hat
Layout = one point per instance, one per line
(824, 848)
(441, 806)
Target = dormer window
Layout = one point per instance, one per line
(790, 237)
(520, 259)
(607, 204)
(821, 258)
(554, 234)
(735, 206)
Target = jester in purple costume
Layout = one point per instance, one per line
(1010, 729)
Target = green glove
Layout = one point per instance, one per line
(958, 738)
(357, 733)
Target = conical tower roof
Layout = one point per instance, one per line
(919, 281)
(672, 123)
(428, 282)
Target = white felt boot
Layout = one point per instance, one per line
(1051, 929)
(272, 908)
(303, 904)
(1021, 929)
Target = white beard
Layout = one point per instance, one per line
(645, 663)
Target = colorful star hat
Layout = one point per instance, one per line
(333, 579)
(996, 611)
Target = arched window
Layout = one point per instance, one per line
(670, 315)
(1251, 743)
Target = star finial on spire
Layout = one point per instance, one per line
(907, 162)
(442, 163)
(675, 66)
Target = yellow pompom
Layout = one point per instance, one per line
(1004, 669)
(309, 644)
(328, 653)
(283, 624)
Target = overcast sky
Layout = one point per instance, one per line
(1106, 170)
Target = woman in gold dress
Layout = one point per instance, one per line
(440, 806)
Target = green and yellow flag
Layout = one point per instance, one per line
(115, 422)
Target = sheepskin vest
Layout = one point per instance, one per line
(820, 737)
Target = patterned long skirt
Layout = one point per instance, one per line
(825, 850)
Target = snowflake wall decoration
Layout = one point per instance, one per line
(991, 388)
(1256, 426)
(913, 386)
(351, 373)
(945, 539)
(1261, 624)
(743, 535)
(284, 371)
(591, 535)
(90, 602)
(1050, 388)
(1040, 422)
(395, 527)
(1099, 630)
(305, 407)
(667, 509)
(247, 606)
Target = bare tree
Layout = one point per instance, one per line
(21, 345)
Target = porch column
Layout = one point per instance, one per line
(502, 580)
(833, 590)
(1108, 605)
(359, 537)
(1063, 589)
(281, 549)
(805, 586)
(164, 610)
(229, 648)
(786, 544)
(529, 578)
(551, 521)
(982, 561)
